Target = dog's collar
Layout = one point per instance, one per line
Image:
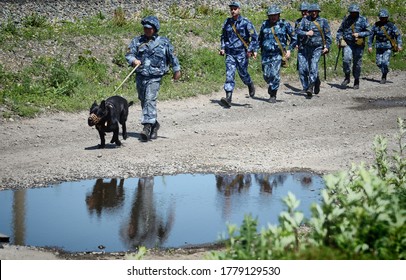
(100, 126)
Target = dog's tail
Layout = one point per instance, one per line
(130, 103)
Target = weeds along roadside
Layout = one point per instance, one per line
(362, 215)
(65, 66)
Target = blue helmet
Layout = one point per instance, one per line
(151, 22)
(304, 6)
(314, 7)
(273, 10)
(383, 13)
(353, 8)
(235, 4)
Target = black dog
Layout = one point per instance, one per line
(107, 116)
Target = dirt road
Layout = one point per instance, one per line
(324, 134)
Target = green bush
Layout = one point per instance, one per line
(9, 27)
(119, 17)
(47, 82)
(35, 20)
(362, 216)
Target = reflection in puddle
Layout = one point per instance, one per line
(165, 211)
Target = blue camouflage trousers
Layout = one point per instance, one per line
(352, 54)
(301, 66)
(308, 58)
(271, 70)
(382, 59)
(147, 88)
(237, 62)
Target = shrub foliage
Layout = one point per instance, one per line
(362, 216)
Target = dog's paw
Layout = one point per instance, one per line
(118, 143)
(100, 146)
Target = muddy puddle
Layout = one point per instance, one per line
(165, 211)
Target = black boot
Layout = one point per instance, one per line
(310, 91)
(317, 86)
(251, 89)
(145, 134)
(226, 102)
(346, 81)
(154, 130)
(272, 95)
(383, 79)
(229, 95)
(356, 84)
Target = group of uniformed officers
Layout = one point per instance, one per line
(151, 54)
(312, 38)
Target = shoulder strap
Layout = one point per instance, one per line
(321, 32)
(277, 41)
(392, 41)
(238, 35)
(145, 43)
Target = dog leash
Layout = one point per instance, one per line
(126, 78)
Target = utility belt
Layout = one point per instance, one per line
(235, 51)
(145, 75)
(394, 47)
(382, 40)
(311, 43)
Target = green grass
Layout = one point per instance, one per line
(51, 84)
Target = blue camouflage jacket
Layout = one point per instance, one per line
(267, 42)
(155, 55)
(229, 39)
(316, 40)
(382, 42)
(351, 25)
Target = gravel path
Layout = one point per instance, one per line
(322, 135)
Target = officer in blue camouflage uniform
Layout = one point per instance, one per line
(303, 8)
(152, 54)
(383, 45)
(300, 39)
(239, 42)
(271, 54)
(351, 36)
(317, 43)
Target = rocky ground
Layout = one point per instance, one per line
(321, 135)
